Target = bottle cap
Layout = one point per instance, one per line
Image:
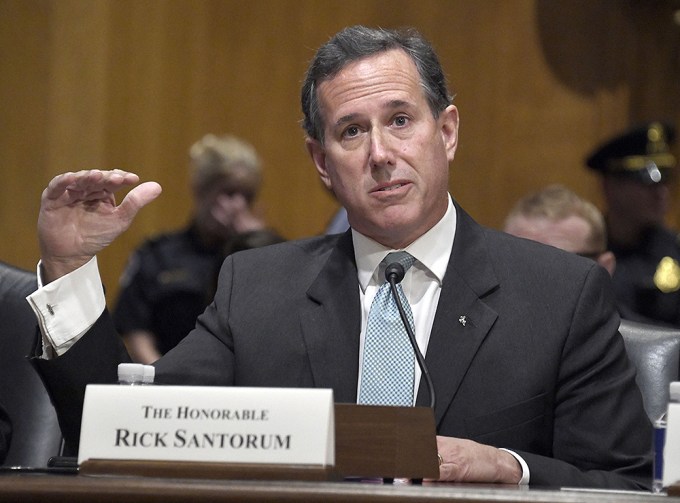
(130, 372)
(149, 374)
(675, 391)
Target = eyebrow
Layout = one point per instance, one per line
(389, 105)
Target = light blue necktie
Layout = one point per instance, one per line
(387, 372)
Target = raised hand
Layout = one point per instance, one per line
(79, 216)
(234, 214)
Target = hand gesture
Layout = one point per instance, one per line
(79, 216)
(234, 214)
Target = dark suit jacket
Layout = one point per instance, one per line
(539, 367)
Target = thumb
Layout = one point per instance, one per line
(139, 197)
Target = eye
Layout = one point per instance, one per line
(400, 120)
(351, 132)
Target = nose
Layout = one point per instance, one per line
(381, 151)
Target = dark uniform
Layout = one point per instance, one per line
(647, 275)
(171, 279)
(168, 282)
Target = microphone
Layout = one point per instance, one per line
(394, 273)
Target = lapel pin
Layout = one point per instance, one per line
(462, 320)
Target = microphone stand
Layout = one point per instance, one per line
(394, 274)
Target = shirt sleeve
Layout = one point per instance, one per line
(525, 468)
(67, 307)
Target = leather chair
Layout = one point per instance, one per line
(36, 435)
(655, 352)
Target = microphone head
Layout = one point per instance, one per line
(394, 271)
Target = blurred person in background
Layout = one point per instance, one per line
(558, 217)
(637, 169)
(171, 278)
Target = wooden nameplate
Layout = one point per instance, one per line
(387, 442)
(371, 441)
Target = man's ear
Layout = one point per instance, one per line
(608, 261)
(449, 127)
(318, 154)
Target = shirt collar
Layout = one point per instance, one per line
(432, 249)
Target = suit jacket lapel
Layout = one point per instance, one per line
(331, 320)
(463, 319)
(331, 323)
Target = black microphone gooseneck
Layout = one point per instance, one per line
(394, 273)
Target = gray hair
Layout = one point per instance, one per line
(357, 42)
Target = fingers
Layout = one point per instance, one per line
(226, 207)
(227, 210)
(88, 184)
(459, 460)
(94, 183)
(450, 470)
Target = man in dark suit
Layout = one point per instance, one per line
(521, 340)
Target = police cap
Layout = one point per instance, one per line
(641, 153)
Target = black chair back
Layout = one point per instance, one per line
(36, 435)
(655, 352)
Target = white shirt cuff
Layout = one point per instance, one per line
(525, 468)
(67, 307)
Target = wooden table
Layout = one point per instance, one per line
(47, 488)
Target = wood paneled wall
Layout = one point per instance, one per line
(133, 83)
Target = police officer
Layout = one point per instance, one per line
(636, 169)
(171, 278)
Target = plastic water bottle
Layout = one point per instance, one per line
(660, 440)
(131, 374)
(149, 374)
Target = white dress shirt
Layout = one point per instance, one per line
(67, 307)
(422, 283)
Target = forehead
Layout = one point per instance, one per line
(390, 75)
(570, 234)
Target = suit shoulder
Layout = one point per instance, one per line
(290, 255)
(519, 252)
(293, 264)
(317, 245)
